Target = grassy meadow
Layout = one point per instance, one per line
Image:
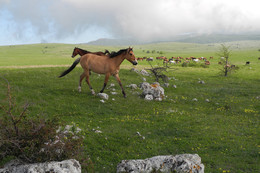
(224, 130)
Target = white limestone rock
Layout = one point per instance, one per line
(66, 166)
(145, 85)
(190, 163)
(103, 96)
(132, 86)
(144, 72)
(148, 97)
(154, 90)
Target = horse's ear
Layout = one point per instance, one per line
(129, 49)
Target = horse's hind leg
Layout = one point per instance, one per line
(105, 82)
(87, 80)
(80, 80)
(119, 81)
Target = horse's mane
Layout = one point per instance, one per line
(114, 54)
(83, 50)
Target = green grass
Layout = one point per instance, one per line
(224, 132)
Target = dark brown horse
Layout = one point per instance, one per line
(104, 64)
(81, 52)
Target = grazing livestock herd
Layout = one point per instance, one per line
(176, 60)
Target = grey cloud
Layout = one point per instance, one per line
(147, 20)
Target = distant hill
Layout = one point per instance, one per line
(114, 42)
(192, 38)
(218, 38)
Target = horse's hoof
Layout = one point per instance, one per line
(79, 88)
(93, 92)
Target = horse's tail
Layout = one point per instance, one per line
(71, 67)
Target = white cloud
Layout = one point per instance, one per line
(139, 19)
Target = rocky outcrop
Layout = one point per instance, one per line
(152, 91)
(66, 166)
(184, 163)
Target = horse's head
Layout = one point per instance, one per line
(75, 52)
(130, 56)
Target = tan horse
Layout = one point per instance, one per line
(104, 64)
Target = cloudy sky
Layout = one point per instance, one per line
(80, 21)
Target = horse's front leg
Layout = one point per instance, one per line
(105, 82)
(119, 81)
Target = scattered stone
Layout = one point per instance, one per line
(207, 100)
(158, 99)
(195, 100)
(132, 86)
(173, 78)
(103, 96)
(114, 93)
(144, 79)
(201, 82)
(111, 86)
(138, 133)
(98, 131)
(172, 110)
(148, 97)
(67, 128)
(61, 133)
(166, 85)
(145, 85)
(144, 72)
(180, 163)
(103, 101)
(174, 86)
(71, 166)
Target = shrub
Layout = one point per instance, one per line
(34, 139)
(160, 72)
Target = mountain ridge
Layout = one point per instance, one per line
(201, 39)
